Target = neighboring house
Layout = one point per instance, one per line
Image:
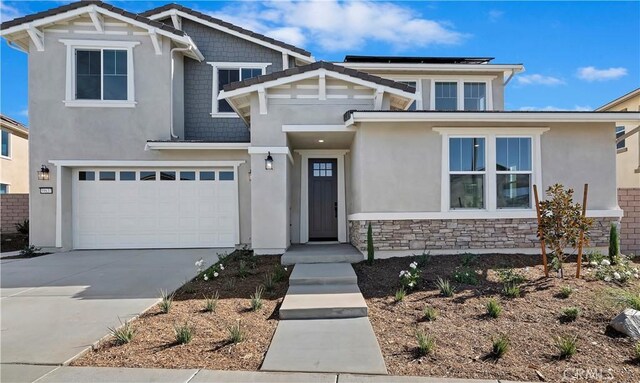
(176, 129)
(628, 169)
(14, 158)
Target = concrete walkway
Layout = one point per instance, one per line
(56, 306)
(147, 375)
(324, 325)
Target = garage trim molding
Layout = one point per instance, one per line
(108, 163)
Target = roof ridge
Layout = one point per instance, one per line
(225, 24)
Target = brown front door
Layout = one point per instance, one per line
(323, 200)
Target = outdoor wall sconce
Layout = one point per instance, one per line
(43, 173)
(268, 162)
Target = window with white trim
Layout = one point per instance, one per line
(513, 172)
(619, 133)
(5, 140)
(446, 96)
(4, 189)
(451, 94)
(475, 96)
(467, 172)
(227, 73)
(99, 73)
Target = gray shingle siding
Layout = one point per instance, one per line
(216, 46)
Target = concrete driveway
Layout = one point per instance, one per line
(55, 306)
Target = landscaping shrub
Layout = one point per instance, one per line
(23, 227)
(620, 272)
(446, 290)
(423, 259)
(566, 291)
(123, 334)
(593, 258)
(561, 223)
(426, 343)
(510, 276)
(570, 314)
(370, 249)
(30, 251)
(243, 270)
(567, 346)
(628, 299)
(256, 299)
(500, 346)
(511, 290)
(614, 244)
(210, 304)
(279, 273)
(166, 301)
(268, 282)
(236, 335)
(230, 284)
(465, 275)
(429, 313)
(184, 333)
(401, 293)
(409, 278)
(493, 308)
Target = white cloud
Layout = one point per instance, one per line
(495, 15)
(538, 79)
(550, 108)
(8, 12)
(335, 25)
(24, 112)
(593, 74)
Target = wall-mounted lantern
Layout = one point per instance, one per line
(43, 173)
(268, 162)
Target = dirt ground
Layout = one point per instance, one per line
(154, 343)
(464, 332)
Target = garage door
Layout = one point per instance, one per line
(154, 208)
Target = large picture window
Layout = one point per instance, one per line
(467, 172)
(227, 73)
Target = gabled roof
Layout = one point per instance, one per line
(619, 100)
(166, 10)
(29, 22)
(315, 66)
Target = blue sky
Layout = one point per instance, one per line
(577, 55)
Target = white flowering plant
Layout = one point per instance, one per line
(619, 273)
(211, 272)
(409, 278)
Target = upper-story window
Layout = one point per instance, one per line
(6, 142)
(227, 72)
(619, 133)
(461, 94)
(100, 73)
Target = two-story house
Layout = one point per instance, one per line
(175, 129)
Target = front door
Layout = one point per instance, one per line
(323, 200)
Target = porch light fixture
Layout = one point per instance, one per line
(268, 162)
(43, 173)
(321, 141)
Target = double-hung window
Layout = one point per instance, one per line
(485, 169)
(227, 73)
(460, 94)
(100, 73)
(467, 172)
(5, 140)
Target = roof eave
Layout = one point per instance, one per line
(619, 100)
(506, 68)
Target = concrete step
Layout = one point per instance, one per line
(323, 274)
(323, 302)
(339, 253)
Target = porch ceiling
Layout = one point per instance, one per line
(311, 140)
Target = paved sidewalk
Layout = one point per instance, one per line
(147, 375)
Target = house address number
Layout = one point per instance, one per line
(46, 190)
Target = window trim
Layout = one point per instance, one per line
(490, 134)
(229, 65)
(7, 188)
(530, 173)
(484, 173)
(9, 151)
(460, 81)
(72, 46)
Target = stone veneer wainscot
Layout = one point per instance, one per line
(460, 234)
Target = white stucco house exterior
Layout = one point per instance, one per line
(171, 128)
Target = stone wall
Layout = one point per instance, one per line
(459, 234)
(14, 208)
(629, 201)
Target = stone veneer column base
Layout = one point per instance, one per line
(452, 235)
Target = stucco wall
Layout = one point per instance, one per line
(14, 208)
(217, 46)
(14, 171)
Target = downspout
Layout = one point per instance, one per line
(11, 45)
(188, 48)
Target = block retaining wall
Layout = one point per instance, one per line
(629, 201)
(14, 208)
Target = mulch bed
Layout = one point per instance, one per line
(13, 242)
(154, 344)
(463, 332)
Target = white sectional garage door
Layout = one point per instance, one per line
(154, 208)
